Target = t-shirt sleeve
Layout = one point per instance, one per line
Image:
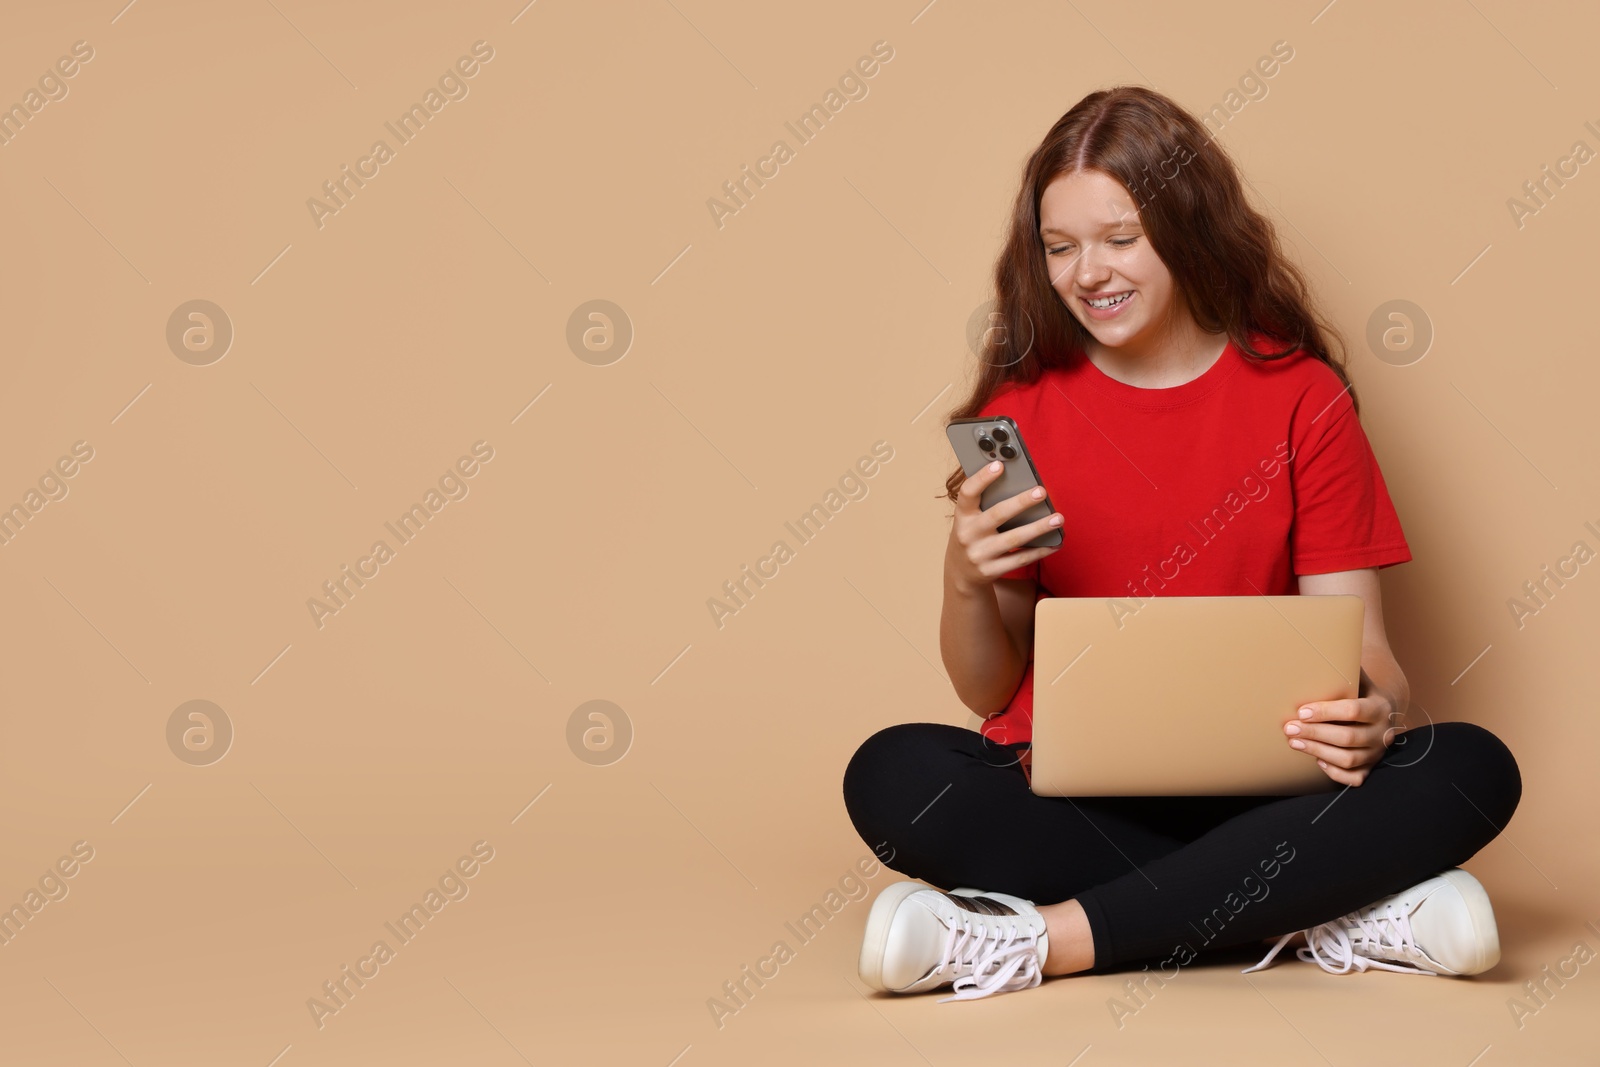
(997, 405)
(1343, 517)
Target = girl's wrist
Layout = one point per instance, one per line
(965, 588)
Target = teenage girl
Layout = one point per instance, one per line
(1184, 404)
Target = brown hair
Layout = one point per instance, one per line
(1226, 265)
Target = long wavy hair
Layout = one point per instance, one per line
(1226, 265)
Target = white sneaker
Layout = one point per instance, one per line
(919, 938)
(1441, 926)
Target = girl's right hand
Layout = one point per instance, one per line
(978, 552)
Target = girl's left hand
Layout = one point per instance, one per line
(1347, 737)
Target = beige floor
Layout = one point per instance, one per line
(220, 882)
(584, 960)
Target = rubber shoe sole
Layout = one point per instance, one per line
(875, 942)
(1481, 915)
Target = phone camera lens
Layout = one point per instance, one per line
(986, 444)
(1000, 435)
(1007, 451)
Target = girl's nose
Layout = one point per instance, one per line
(1091, 272)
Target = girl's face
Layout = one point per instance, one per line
(1096, 250)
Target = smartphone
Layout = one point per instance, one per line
(979, 442)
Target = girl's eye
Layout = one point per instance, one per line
(1117, 242)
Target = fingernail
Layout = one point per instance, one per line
(1055, 520)
(1321, 764)
(1299, 744)
(1291, 728)
(1305, 713)
(1038, 492)
(995, 465)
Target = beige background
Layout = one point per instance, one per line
(768, 355)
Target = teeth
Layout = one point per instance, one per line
(1110, 301)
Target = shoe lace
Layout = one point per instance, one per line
(1357, 941)
(988, 957)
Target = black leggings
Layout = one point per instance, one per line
(1157, 874)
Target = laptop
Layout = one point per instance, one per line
(1174, 696)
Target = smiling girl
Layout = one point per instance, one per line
(1173, 346)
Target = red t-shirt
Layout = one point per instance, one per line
(1228, 485)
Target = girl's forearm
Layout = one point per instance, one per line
(1382, 676)
(985, 667)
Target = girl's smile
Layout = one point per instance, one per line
(1108, 305)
